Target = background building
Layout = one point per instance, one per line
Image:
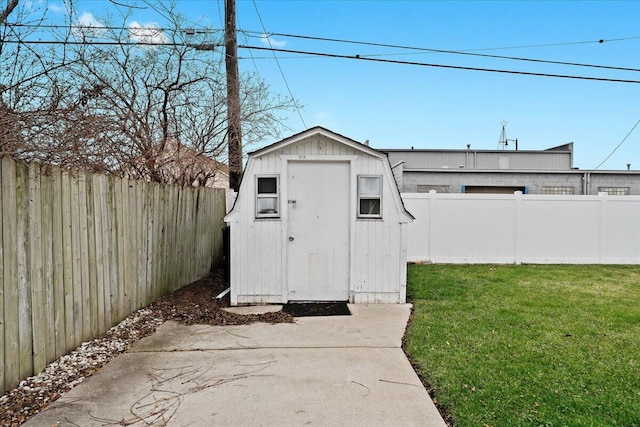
(547, 171)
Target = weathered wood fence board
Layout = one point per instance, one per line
(2, 258)
(25, 326)
(80, 252)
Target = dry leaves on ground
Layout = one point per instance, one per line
(195, 303)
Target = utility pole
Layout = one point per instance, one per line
(234, 131)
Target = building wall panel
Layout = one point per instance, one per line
(480, 159)
(534, 182)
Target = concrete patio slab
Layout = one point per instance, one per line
(333, 371)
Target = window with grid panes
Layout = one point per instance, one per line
(558, 189)
(369, 196)
(267, 197)
(614, 191)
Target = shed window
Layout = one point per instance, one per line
(267, 199)
(369, 196)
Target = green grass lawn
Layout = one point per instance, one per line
(529, 345)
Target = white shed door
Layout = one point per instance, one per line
(318, 245)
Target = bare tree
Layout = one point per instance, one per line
(31, 93)
(4, 13)
(137, 101)
(16, 67)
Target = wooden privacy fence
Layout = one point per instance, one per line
(521, 228)
(80, 252)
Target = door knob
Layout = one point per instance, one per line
(291, 238)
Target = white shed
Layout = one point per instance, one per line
(318, 218)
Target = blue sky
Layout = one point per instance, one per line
(399, 106)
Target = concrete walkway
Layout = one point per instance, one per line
(333, 371)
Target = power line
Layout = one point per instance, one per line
(599, 41)
(111, 27)
(453, 52)
(619, 145)
(295, 103)
(469, 52)
(246, 39)
(212, 46)
(196, 46)
(424, 64)
(217, 30)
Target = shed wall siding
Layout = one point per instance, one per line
(256, 244)
(259, 246)
(377, 264)
(377, 248)
(258, 255)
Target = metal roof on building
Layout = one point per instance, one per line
(555, 158)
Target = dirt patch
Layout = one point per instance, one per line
(317, 309)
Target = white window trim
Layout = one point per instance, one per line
(369, 216)
(268, 195)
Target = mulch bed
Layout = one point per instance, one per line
(194, 303)
(197, 303)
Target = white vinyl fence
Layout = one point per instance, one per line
(537, 229)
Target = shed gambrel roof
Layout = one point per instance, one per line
(319, 130)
